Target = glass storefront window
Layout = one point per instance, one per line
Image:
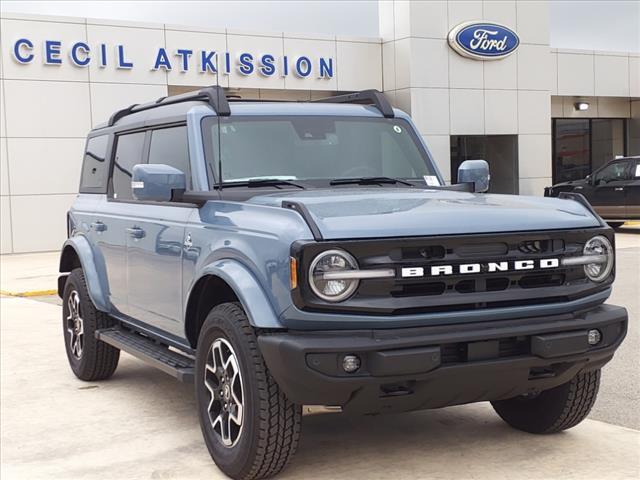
(582, 145)
(571, 158)
(607, 140)
(500, 151)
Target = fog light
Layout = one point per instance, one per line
(350, 363)
(594, 337)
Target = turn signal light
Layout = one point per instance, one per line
(293, 273)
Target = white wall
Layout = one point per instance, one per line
(451, 95)
(595, 73)
(46, 111)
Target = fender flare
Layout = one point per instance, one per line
(96, 283)
(250, 293)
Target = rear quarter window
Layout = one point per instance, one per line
(95, 166)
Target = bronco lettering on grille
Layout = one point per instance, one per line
(488, 267)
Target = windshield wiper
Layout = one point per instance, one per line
(369, 181)
(262, 182)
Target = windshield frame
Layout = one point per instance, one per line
(210, 122)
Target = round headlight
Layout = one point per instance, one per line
(332, 261)
(600, 248)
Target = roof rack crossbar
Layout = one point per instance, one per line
(213, 95)
(120, 113)
(368, 97)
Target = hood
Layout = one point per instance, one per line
(401, 212)
(571, 183)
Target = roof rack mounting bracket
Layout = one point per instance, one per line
(214, 95)
(367, 97)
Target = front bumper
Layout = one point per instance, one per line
(430, 367)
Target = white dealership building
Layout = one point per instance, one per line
(539, 115)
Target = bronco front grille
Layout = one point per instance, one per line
(460, 291)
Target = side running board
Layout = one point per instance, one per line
(155, 354)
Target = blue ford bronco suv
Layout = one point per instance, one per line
(287, 254)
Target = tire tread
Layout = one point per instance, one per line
(106, 357)
(558, 409)
(279, 431)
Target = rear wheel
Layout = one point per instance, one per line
(250, 428)
(89, 358)
(554, 410)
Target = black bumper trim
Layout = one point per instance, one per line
(416, 365)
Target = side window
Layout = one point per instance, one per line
(169, 146)
(611, 173)
(95, 167)
(128, 153)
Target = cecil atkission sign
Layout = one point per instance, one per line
(81, 54)
(483, 40)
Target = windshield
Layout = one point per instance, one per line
(314, 147)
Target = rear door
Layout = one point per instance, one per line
(607, 190)
(109, 222)
(155, 241)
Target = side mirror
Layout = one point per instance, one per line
(589, 179)
(475, 172)
(155, 182)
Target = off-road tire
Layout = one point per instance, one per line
(553, 410)
(98, 360)
(271, 423)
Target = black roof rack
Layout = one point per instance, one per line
(367, 97)
(213, 95)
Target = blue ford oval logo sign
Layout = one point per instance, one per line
(483, 40)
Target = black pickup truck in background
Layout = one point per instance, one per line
(613, 190)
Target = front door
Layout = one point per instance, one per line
(156, 241)
(606, 191)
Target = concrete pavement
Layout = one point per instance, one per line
(619, 396)
(142, 424)
(29, 273)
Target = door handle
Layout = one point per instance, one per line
(619, 189)
(188, 243)
(135, 232)
(98, 226)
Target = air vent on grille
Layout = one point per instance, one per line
(541, 246)
(482, 250)
(534, 246)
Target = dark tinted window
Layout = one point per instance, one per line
(169, 147)
(95, 167)
(128, 153)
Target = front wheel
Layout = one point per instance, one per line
(553, 410)
(250, 428)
